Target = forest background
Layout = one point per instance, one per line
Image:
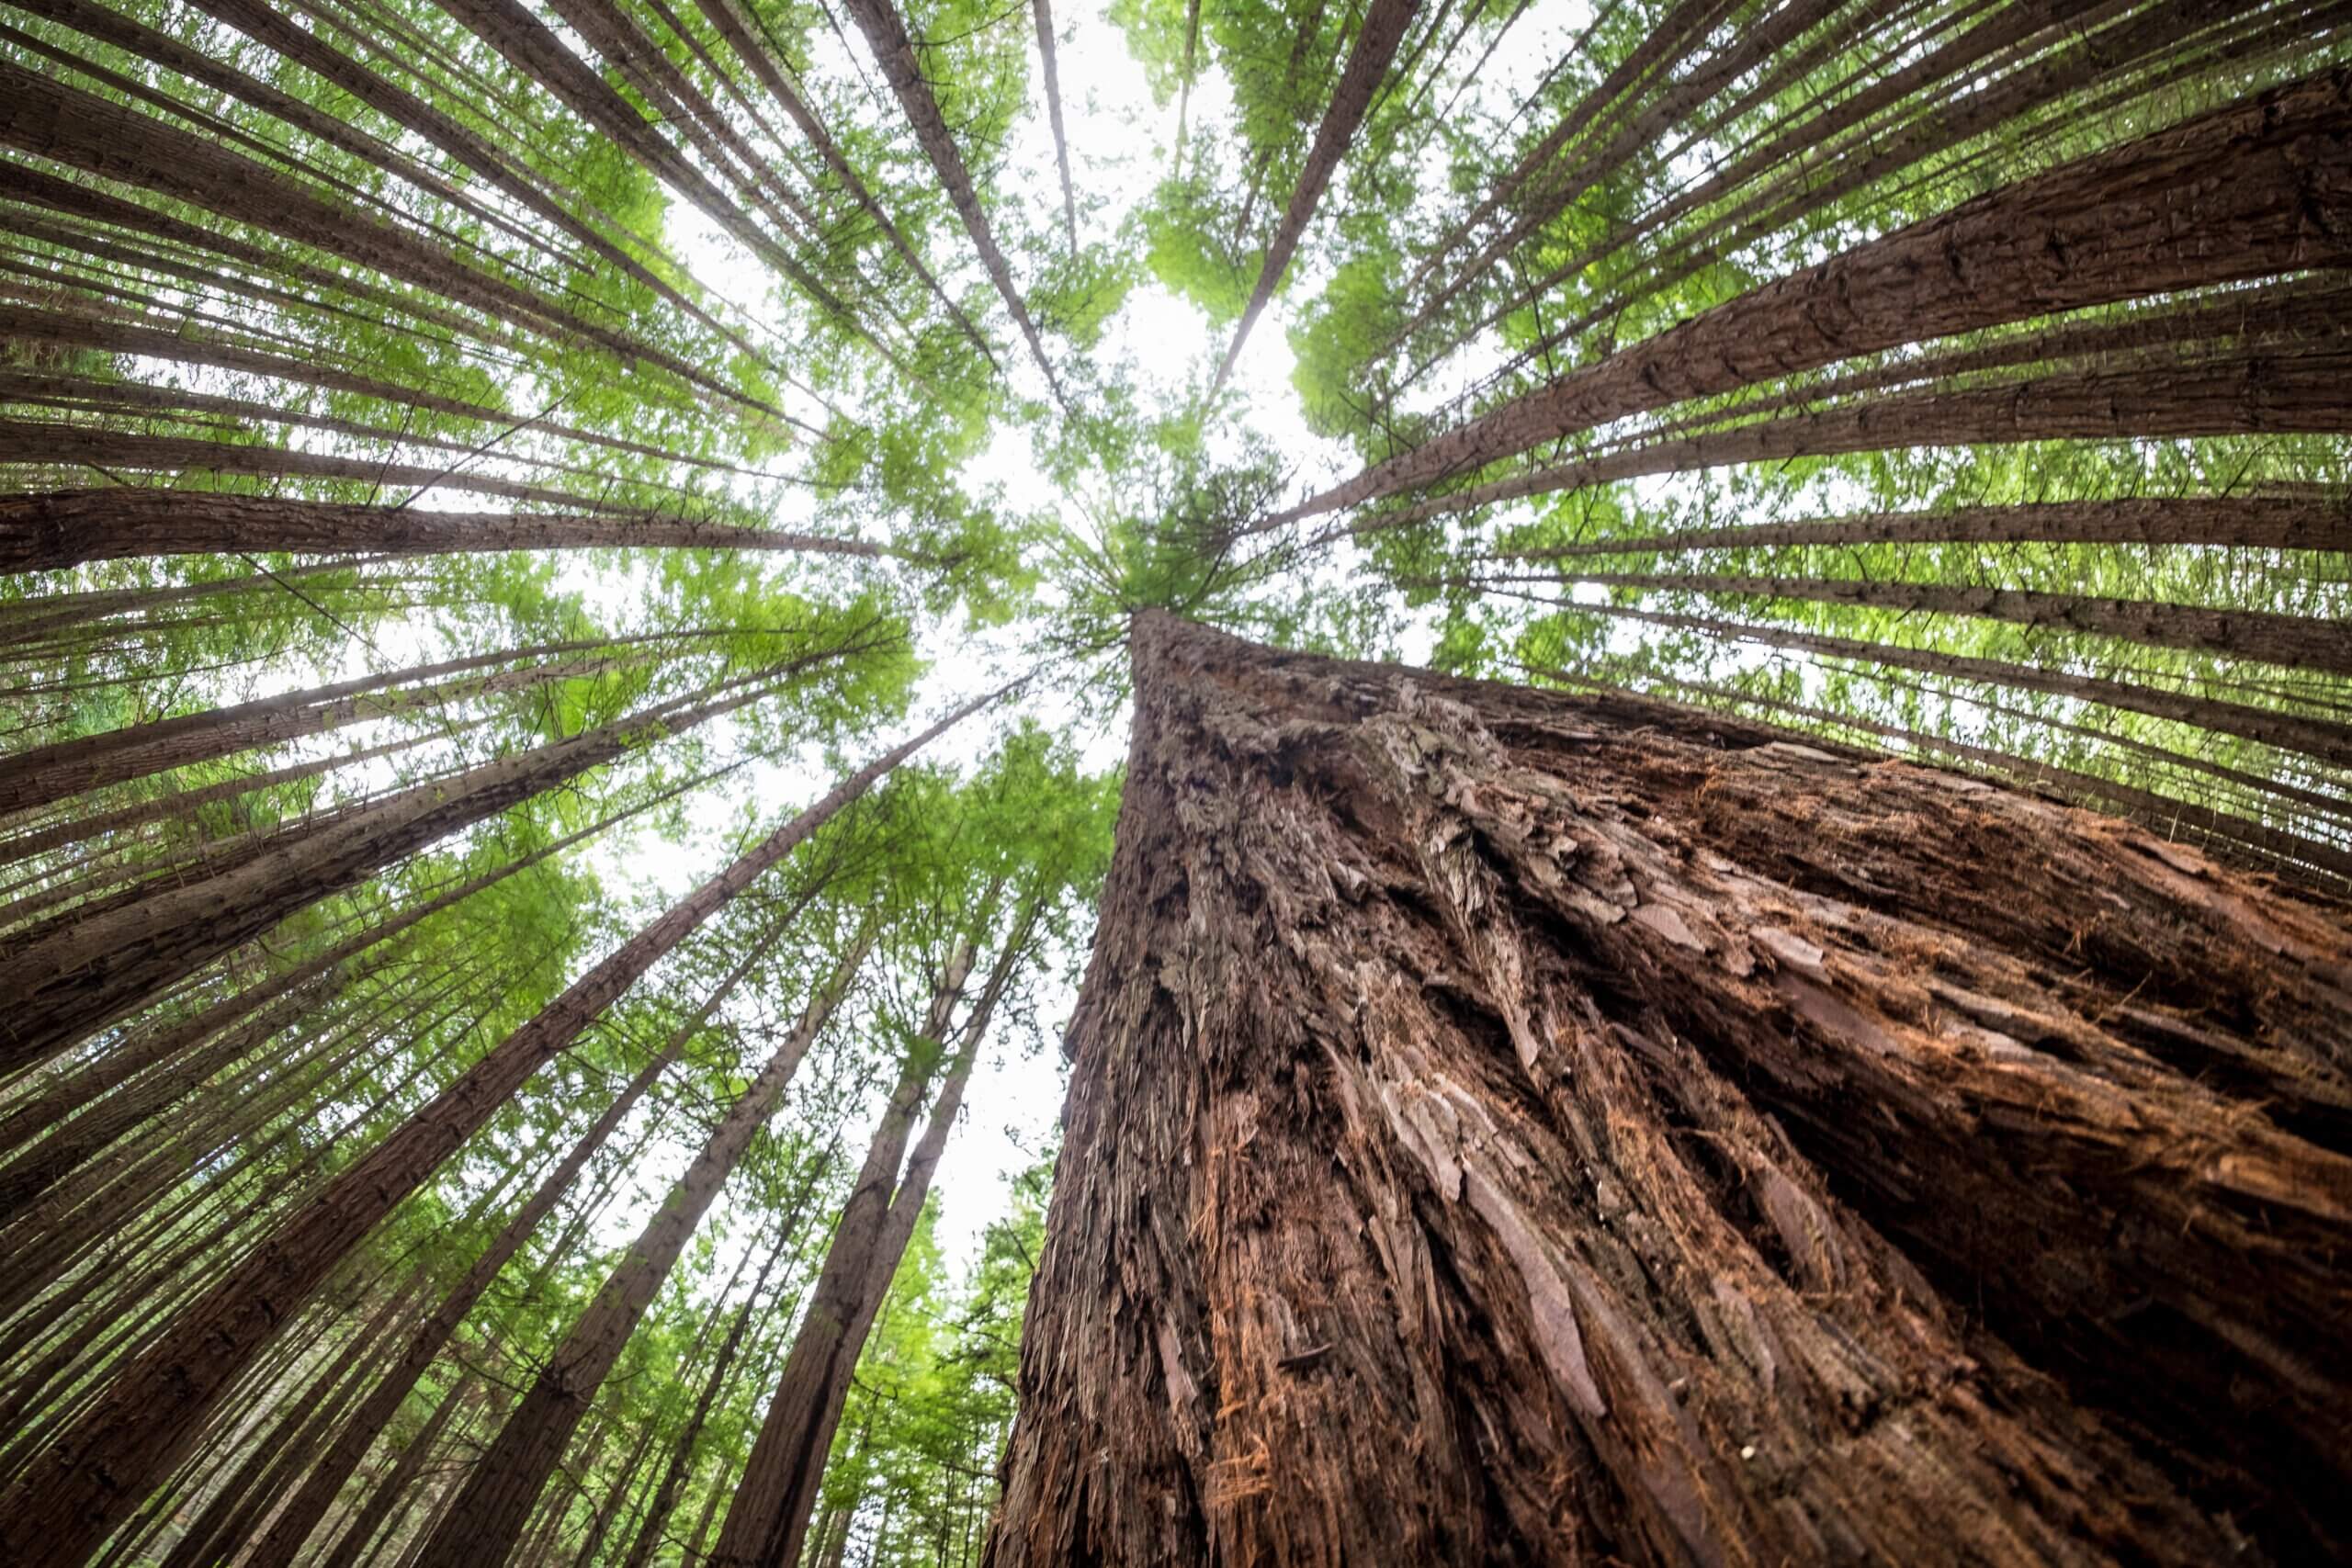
(1185, 323)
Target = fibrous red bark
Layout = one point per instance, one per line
(1509, 1127)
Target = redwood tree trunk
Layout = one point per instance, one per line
(1509, 1127)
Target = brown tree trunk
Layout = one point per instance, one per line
(1384, 25)
(63, 528)
(490, 1513)
(2267, 523)
(2246, 394)
(72, 446)
(2295, 642)
(886, 35)
(2326, 740)
(2250, 190)
(392, 1489)
(125, 1443)
(1513, 1127)
(46, 1110)
(80, 971)
(352, 1441)
(1042, 12)
(768, 1523)
(680, 1465)
(108, 140)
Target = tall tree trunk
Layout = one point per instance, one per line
(63, 528)
(97, 1474)
(2254, 521)
(2327, 740)
(392, 1489)
(46, 1110)
(1512, 1127)
(679, 1468)
(1385, 25)
(2247, 191)
(2239, 394)
(106, 138)
(83, 970)
(768, 1524)
(886, 35)
(352, 1441)
(2295, 642)
(498, 1497)
(1049, 71)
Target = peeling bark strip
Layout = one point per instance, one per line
(1513, 1127)
(63, 528)
(2257, 188)
(1385, 25)
(86, 1483)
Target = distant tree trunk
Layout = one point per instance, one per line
(62, 528)
(2271, 522)
(124, 1443)
(1515, 1127)
(2250, 190)
(2256, 392)
(85, 968)
(1385, 25)
(426, 1342)
(768, 1524)
(2295, 642)
(886, 35)
(2329, 740)
(490, 1513)
(1049, 73)
(680, 1466)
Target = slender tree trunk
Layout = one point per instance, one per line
(2264, 522)
(1042, 11)
(680, 1467)
(111, 141)
(768, 1523)
(886, 35)
(489, 1515)
(2247, 191)
(73, 445)
(97, 1473)
(393, 1488)
(1384, 25)
(47, 1109)
(2253, 393)
(63, 528)
(1507, 1126)
(351, 1444)
(2326, 740)
(77, 974)
(2295, 642)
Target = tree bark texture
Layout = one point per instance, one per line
(1509, 1127)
